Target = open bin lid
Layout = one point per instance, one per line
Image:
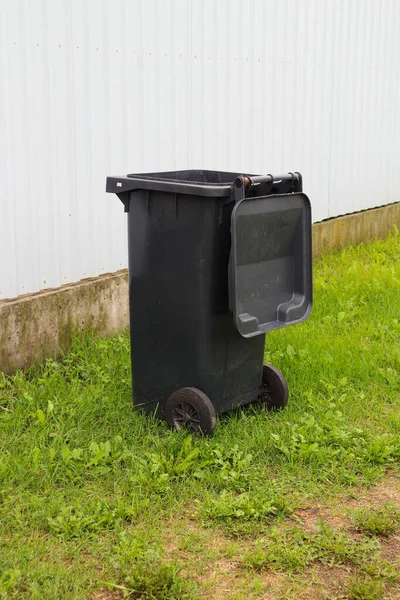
(271, 262)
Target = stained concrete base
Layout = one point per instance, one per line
(351, 230)
(40, 325)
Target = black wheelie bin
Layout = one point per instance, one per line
(216, 260)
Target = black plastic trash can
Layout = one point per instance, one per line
(216, 260)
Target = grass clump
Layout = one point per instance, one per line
(362, 587)
(142, 572)
(241, 515)
(74, 521)
(289, 550)
(381, 522)
(293, 548)
(147, 578)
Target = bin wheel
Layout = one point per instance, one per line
(274, 391)
(190, 408)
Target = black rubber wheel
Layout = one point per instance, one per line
(274, 391)
(190, 408)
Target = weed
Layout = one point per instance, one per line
(163, 469)
(381, 570)
(144, 575)
(244, 513)
(75, 521)
(336, 547)
(231, 468)
(383, 521)
(363, 588)
(292, 548)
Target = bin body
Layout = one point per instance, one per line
(182, 332)
(209, 258)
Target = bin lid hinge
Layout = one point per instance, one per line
(246, 186)
(239, 188)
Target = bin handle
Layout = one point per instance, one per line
(243, 184)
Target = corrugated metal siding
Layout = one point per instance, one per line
(113, 86)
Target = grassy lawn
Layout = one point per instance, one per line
(99, 502)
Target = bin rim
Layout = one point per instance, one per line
(162, 181)
(232, 186)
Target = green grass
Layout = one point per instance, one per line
(382, 522)
(364, 588)
(292, 548)
(95, 496)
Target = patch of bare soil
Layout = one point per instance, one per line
(386, 491)
(328, 581)
(309, 517)
(391, 549)
(219, 580)
(319, 582)
(338, 513)
(105, 594)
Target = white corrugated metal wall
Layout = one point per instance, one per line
(96, 87)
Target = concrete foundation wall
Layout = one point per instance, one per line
(351, 230)
(40, 325)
